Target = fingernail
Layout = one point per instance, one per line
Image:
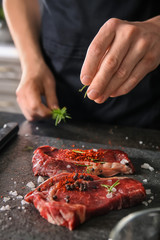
(54, 107)
(92, 94)
(86, 80)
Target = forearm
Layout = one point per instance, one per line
(23, 18)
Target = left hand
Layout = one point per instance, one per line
(120, 56)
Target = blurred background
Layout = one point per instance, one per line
(10, 70)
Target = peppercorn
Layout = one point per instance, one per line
(75, 177)
(54, 197)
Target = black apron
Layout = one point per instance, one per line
(68, 27)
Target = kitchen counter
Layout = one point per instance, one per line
(23, 222)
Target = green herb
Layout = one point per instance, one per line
(80, 90)
(60, 114)
(96, 160)
(82, 165)
(77, 151)
(111, 187)
(28, 148)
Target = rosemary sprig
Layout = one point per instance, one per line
(82, 165)
(80, 90)
(60, 114)
(77, 151)
(110, 188)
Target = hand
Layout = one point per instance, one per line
(120, 56)
(37, 81)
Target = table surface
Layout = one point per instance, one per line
(88, 131)
(141, 145)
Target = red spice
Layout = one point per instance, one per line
(85, 155)
(73, 145)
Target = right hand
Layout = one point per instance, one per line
(37, 81)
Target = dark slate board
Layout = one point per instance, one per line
(16, 172)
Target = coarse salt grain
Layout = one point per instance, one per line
(37, 128)
(68, 166)
(5, 208)
(109, 195)
(5, 199)
(10, 218)
(23, 202)
(13, 193)
(30, 185)
(140, 142)
(123, 161)
(95, 150)
(148, 191)
(40, 179)
(145, 180)
(147, 166)
(126, 138)
(19, 197)
(145, 203)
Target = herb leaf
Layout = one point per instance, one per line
(80, 90)
(60, 114)
(111, 187)
(77, 151)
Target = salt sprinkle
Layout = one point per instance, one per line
(126, 138)
(40, 179)
(68, 166)
(15, 182)
(145, 180)
(95, 150)
(140, 142)
(145, 203)
(148, 191)
(23, 202)
(10, 218)
(5, 208)
(37, 128)
(13, 193)
(109, 195)
(5, 199)
(30, 185)
(5, 125)
(19, 197)
(26, 135)
(147, 166)
(123, 161)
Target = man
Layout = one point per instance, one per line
(121, 66)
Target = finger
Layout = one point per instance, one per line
(139, 72)
(134, 56)
(32, 106)
(50, 94)
(96, 51)
(109, 66)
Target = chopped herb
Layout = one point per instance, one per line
(111, 187)
(82, 165)
(77, 151)
(28, 148)
(60, 114)
(80, 90)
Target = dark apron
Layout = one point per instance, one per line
(68, 27)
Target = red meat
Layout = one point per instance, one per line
(70, 199)
(49, 161)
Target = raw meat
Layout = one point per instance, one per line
(69, 199)
(49, 161)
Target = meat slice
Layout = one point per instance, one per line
(69, 199)
(49, 161)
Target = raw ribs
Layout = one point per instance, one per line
(69, 199)
(49, 161)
